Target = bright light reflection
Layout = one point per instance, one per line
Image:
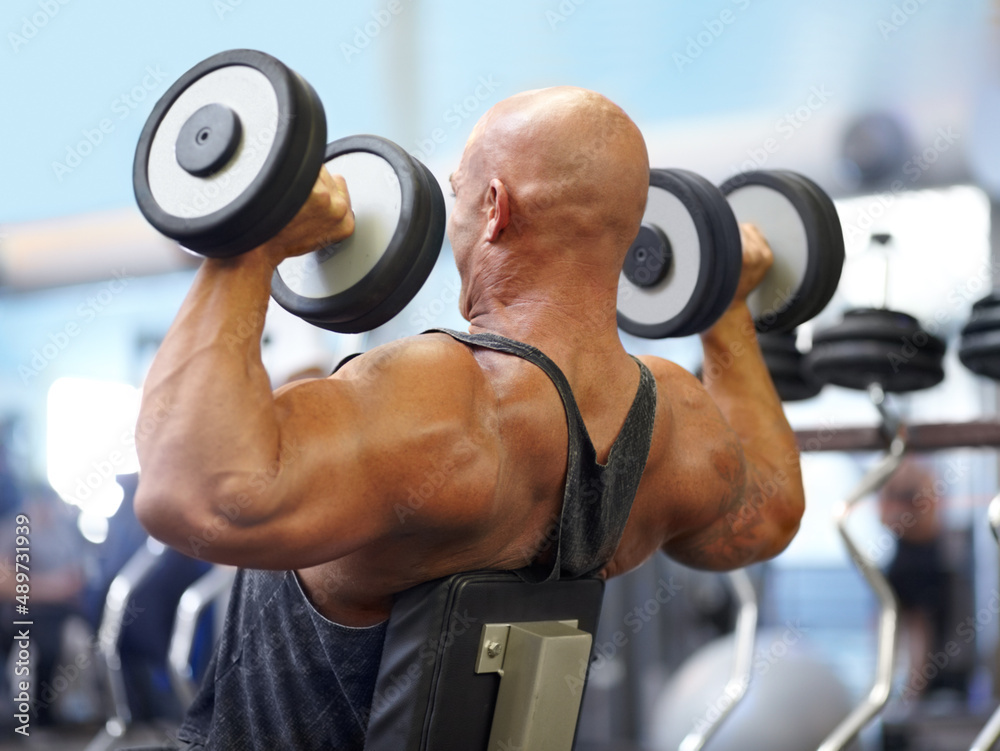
(91, 439)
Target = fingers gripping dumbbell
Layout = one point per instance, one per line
(683, 269)
(231, 153)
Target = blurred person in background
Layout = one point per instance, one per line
(918, 572)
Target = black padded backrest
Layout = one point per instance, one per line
(428, 696)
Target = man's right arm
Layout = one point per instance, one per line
(751, 494)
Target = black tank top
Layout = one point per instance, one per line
(598, 497)
(283, 676)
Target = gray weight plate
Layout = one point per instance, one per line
(340, 286)
(673, 305)
(832, 255)
(788, 217)
(420, 268)
(230, 153)
(729, 248)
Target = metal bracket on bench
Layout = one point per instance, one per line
(542, 666)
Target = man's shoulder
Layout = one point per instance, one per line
(676, 386)
(422, 360)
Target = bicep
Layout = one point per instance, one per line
(721, 508)
(357, 453)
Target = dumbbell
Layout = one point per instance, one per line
(232, 151)
(682, 270)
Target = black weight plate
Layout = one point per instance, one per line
(422, 263)
(861, 363)
(797, 389)
(346, 281)
(729, 250)
(984, 318)
(779, 343)
(789, 218)
(881, 325)
(786, 365)
(980, 353)
(833, 255)
(991, 300)
(783, 365)
(268, 178)
(674, 306)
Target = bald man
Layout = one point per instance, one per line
(533, 443)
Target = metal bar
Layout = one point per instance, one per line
(991, 731)
(113, 620)
(878, 695)
(926, 437)
(208, 588)
(739, 678)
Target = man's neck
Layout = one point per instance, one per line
(544, 296)
(550, 319)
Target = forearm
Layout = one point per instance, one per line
(207, 424)
(737, 379)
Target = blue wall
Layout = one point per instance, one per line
(408, 70)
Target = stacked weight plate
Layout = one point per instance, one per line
(877, 346)
(979, 350)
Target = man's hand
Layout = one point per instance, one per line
(757, 261)
(325, 218)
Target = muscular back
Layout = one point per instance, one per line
(485, 470)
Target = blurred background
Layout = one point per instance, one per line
(893, 107)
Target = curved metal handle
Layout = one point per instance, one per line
(991, 731)
(739, 677)
(212, 584)
(888, 618)
(113, 620)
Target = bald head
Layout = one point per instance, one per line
(573, 164)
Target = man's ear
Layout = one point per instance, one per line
(498, 210)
